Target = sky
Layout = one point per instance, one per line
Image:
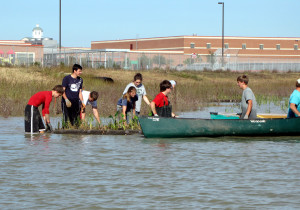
(84, 21)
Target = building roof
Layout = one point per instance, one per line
(196, 37)
(37, 28)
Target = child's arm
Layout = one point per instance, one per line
(124, 111)
(294, 109)
(250, 104)
(152, 105)
(96, 114)
(146, 100)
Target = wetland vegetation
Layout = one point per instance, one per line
(194, 89)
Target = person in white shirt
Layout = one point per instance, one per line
(140, 91)
(90, 98)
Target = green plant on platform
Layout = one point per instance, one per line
(58, 125)
(87, 124)
(113, 124)
(134, 123)
(90, 120)
(150, 114)
(117, 121)
(67, 124)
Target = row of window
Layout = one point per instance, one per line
(261, 46)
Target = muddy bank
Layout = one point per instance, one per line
(98, 132)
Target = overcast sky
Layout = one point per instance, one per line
(84, 21)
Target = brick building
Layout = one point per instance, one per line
(18, 52)
(264, 47)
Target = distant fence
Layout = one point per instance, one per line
(26, 56)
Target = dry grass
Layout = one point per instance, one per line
(194, 89)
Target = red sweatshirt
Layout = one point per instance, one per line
(43, 97)
(159, 100)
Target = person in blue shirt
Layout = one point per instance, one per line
(71, 100)
(126, 104)
(294, 103)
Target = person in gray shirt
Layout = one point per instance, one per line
(248, 99)
(140, 91)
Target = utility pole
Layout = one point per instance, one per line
(222, 33)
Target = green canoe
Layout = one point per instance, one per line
(161, 127)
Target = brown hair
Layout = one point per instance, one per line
(165, 85)
(59, 89)
(126, 95)
(138, 76)
(243, 78)
(94, 95)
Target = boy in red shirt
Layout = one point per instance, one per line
(161, 106)
(33, 120)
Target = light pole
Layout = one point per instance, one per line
(59, 28)
(222, 32)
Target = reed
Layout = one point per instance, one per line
(194, 89)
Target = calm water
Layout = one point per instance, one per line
(53, 171)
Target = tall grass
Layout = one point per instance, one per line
(193, 90)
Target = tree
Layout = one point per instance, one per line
(145, 62)
(159, 60)
(211, 58)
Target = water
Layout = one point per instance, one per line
(53, 171)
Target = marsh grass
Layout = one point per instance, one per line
(193, 90)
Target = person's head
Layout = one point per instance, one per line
(93, 96)
(164, 85)
(173, 83)
(137, 79)
(58, 90)
(298, 83)
(131, 92)
(77, 69)
(242, 81)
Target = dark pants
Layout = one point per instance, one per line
(33, 120)
(71, 114)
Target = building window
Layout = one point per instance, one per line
(226, 45)
(208, 45)
(277, 46)
(131, 46)
(244, 46)
(192, 45)
(261, 46)
(295, 46)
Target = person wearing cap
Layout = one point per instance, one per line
(173, 83)
(294, 102)
(248, 99)
(90, 98)
(140, 91)
(161, 105)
